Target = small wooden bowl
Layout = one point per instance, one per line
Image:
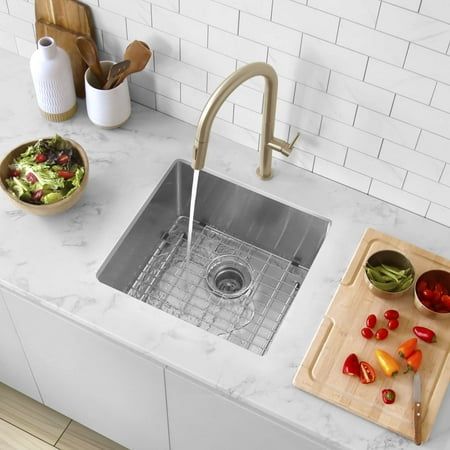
(53, 208)
(392, 258)
(443, 277)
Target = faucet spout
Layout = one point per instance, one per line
(268, 142)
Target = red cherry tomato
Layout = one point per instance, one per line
(445, 299)
(421, 285)
(62, 159)
(371, 321)
(391, 314)
(367, 333)
(381, 334)
(40, 158)
(14, 172)
(427, 294)
(393, 324)
(66, 174)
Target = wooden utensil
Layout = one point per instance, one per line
(320, 372)
(139, 54)
(66, 40)
(69, 14)
(88, 51)
(115, 72)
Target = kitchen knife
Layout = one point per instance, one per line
(417, 393)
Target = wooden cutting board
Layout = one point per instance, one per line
(320, 372)
(66, 40)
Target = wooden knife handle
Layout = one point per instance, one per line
(418, 423)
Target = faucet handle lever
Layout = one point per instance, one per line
(282, 146)
(291, 145)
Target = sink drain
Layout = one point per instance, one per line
(229, 276)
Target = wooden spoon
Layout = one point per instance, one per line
(139, 54)
(115, 72)
(88, 51)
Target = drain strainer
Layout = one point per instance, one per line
(229, 276)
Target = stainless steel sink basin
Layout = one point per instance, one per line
(250, 255)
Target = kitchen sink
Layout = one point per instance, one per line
(249, 256)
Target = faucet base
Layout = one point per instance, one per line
(263, 177)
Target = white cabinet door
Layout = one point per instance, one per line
(200, 419)
(97, 382)
(14, 369)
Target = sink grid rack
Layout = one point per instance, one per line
(171, 283)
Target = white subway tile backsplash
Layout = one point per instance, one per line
(375, 168)
(363, 94)
(299, 70)
(261, 8)
(299, 117)
(138, 10)
(350, 136)
(180, 26)
(269, 33)
(143, 96)
(422, 116)
(244, 96)
(16, 27)
(211, 13)
(342, 175)
(305, 19)
(325, 104)
(411, 160)
(333, 57)
(430, 190)
(386, 127)
(429, 63)
(159, 41)
(371, 42)
(361, 11)
(435, 146)
(184, 73)
(414, 27)
(399, 197)
(197, 99)
(439, 214)
(109, 21)
(399, 80)
(207, 59)
(441, 97)
(320, 147)
(366, 81)
(236, 46)
(439, 9)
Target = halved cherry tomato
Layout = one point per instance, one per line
(31, 177)
(391, 314)
(413, 362)
(40, 158)
(371, 321)
(381, 334)
(388, 396)
(425, 334)
(351, 365)
(367, 333)
(14, 172)
(62, 159)
(66, 174)
(367, 374)
(407, 348)
(393, 324)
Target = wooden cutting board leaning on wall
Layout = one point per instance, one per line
(64, 21)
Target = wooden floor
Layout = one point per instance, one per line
(28, 425)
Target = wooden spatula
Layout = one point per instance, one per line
(139, 54)
(88, 51)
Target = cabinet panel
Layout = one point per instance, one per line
(95, 381)
(200, 419)
(14, 369)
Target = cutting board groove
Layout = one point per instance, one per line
(338, 335)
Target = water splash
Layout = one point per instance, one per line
(191, 213)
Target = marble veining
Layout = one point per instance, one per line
(53, 260)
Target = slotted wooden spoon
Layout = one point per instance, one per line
(115, 72)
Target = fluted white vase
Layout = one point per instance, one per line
(53, 81)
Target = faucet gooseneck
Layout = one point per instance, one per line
(268, 141)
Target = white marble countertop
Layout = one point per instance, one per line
(54, 260)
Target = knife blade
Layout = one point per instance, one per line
(417, 399)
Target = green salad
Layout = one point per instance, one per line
(46, 172)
